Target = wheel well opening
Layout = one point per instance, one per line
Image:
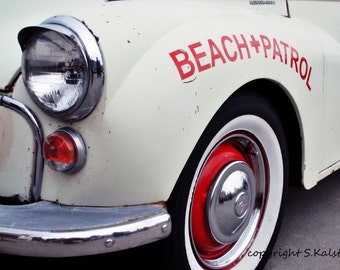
(280, 100)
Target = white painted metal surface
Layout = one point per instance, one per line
(150, 118)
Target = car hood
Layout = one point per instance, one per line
(131, 25)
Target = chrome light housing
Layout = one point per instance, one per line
(62, 67)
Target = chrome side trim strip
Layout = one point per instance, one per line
(46, 229)
(34, 123)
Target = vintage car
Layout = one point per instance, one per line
(125, 123)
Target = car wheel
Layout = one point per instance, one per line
(227, 206)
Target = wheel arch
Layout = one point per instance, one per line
(281, 100)
(279, 97)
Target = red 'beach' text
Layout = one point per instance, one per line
(201, 56)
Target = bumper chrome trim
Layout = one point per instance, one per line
(46, 229)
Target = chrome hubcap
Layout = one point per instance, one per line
(230, 201)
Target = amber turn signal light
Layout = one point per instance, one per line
(64, 150)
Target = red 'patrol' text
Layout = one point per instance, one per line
(231, 48)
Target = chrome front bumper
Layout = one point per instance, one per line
(46, 229)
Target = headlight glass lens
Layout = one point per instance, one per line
(55, 71)
(62, 67)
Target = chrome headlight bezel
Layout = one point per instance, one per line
(76, 32)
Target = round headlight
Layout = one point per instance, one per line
(54, 71)
(62, 67)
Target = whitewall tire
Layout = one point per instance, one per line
(227, 206)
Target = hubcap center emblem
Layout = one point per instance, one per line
(241, 204)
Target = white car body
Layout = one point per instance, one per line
(169, 66)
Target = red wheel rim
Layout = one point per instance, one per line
(207, 247)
